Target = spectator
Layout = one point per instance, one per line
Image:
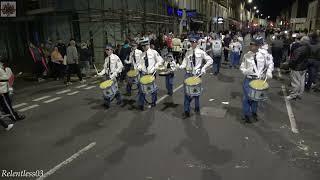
(5, 100)
(298, 64)
(216, 53)
(124, 56)
(236, 48)
(85, 59)
(39, 61)
(72, 62)
(276, 49)
(313, 62)
(58, 65)
(226, 43)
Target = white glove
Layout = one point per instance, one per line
(139, 68)
(101, 73)
(173, 65)
(269, 75)
(113, 76)
(203, 70)
(197, 72)
(151, 70)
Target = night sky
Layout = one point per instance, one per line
(271, 7)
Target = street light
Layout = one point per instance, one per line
(249, 1)
(257, 11)
(268, 17)
(255, 7)
(261, 14)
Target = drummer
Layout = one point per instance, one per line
(192, 63)
(134, 59)
(150, 60)
(112, 68)
(256, 64)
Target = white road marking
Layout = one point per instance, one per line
(51, 100)
(165, 96)
(41, 98)
(76, 92)
(19, 105)
(64, 91)
(90, 87)
(67, 161)
(292, 119)
(81, 86)
(29, 107)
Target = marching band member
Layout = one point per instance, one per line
(134, 60)
(256, 64)
(150, 60)
(192, 63)
(112, 68)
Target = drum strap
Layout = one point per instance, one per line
(134, 57)
(255, 62)
(109, 65)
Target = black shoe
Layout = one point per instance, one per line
(170, 94)
(255, 116)
(186, 114)
(119, 103)
(20, 117)
(127, 94)
(153, 105)
(141, 108)
(197, 111)
(106, 106)
(247, 119)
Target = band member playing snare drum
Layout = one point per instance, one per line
(112, 68)
(134, 60)
(256, 64)
(192, 63)
(150, 60)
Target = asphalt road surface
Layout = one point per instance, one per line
(68, 134)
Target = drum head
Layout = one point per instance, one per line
(106, 84)
(132, 73)
(147, 79)
(192, 81)
(259, 84)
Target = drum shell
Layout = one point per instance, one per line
(149, 88)
(193, 90)
(257, 95)
(111, 91)
(134, 79)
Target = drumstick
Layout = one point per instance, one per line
(154, 73)
(95, 68)
(265, 80)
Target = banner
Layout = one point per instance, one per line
(8, 9)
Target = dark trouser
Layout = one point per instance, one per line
(188, 99)
(59, 70)
(5, 125)
(226, 54)
(73, 68)
(169, 83)
(277, 56)
(6, 106)
(216, 64)
(235, 59)
(124, 72)
(176, 56)
(313, 69)
(248, 106)
(38, 69)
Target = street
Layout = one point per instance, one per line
(70, 135)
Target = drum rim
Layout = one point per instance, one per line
(192, 84)
(112, 83)
(258, 89)
(149, 82)
(137, 73)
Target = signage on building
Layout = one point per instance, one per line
(298, 20)
(220, 20)
(179, 12)
(8, 9)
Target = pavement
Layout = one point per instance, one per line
(68, 134)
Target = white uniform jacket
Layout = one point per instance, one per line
(264, 64)
(187, 62)
(134, 58)
(154, 61)
(115, 64)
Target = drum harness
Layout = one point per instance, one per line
(146, 63)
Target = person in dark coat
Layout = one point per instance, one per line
(124, 56)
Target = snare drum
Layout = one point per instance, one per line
(258, 90)
(109, 88)
(148, 84)
(133, 76)
(193, 86)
